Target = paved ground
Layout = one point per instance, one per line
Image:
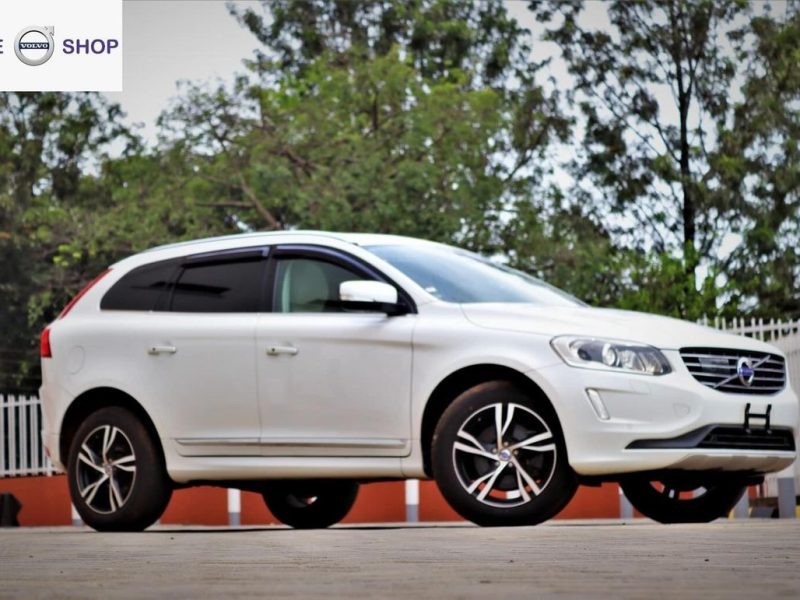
(727, 559)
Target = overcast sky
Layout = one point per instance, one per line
(168, 41)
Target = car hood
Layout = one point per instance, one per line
(662, 332)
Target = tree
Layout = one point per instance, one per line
(652, 91)
(764, 137)
(47, 143)
(421, 118)
(442, 39)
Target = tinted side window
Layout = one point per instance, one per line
(144, 288)
(231, 286)
(309, 285)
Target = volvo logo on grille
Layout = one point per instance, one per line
(745, 371)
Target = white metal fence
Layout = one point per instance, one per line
(21, 448)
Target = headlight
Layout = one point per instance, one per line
(611, 355)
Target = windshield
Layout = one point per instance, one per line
(455, 275)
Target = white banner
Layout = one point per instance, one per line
(61, 45)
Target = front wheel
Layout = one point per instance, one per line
(310, 504)
(673, 500)
(499, 457)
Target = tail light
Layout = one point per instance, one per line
(80, 294)
(44, 344)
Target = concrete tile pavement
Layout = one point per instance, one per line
(566, 559)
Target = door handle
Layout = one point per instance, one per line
(162, 350)
(278, 350)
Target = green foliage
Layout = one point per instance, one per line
(373, 147)
(48, 142)
(442, 39)
(658, 284)
(764, 138)
(670, 149)
(648, 155)
(421, 119)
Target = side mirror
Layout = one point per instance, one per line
(371, 296)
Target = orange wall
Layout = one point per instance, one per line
(379, 503)
(202, 505)
(432, 506)
(45, 501)
(593, 503)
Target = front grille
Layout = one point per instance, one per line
(749, 439)
(725, 437)
(719, 369)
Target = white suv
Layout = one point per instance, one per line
(300, 364)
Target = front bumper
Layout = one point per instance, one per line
(641, 408)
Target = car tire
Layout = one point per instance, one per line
(311, 504)
(499, 457)
(117, 479)
(677, 502)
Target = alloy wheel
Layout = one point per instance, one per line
(106, 469)
(504, 455)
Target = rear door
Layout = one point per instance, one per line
(197, 350)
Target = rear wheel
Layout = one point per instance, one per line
(311, 504)
(117, 478)
(499, 457)
(673, 500)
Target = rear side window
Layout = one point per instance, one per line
(230, 286)
(144, 288)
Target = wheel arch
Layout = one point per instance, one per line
(460, 381)
(94, 399)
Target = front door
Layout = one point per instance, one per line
(330, 383)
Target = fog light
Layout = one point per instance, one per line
(597, 404)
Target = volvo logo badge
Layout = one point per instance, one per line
(34, 45)
(745, 371)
